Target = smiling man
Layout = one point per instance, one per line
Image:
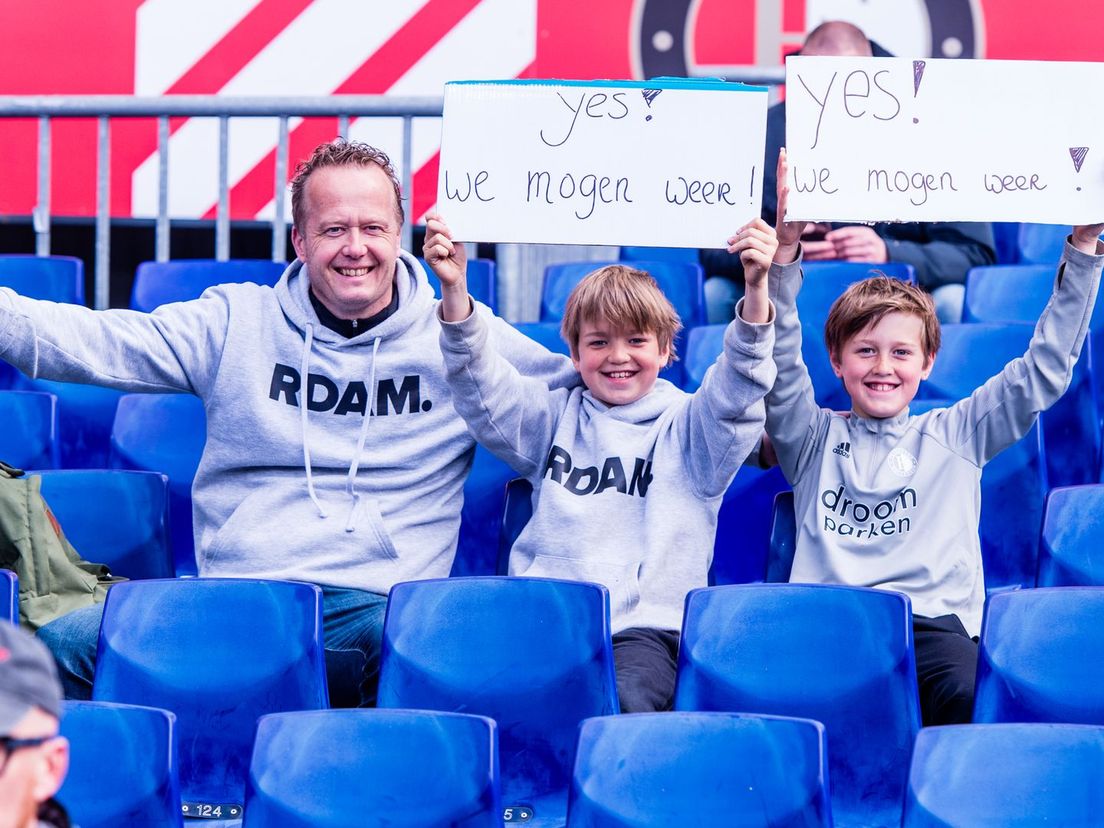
(33, 758)
(333, 453)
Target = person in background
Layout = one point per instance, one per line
(940, 252)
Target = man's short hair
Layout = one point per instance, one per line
(867, 302)
(837, 37)
(340, 153)
(626, 298)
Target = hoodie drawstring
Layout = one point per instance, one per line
(350, 483)
(304, 399)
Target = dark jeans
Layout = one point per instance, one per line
(646, 662)
(946, 664)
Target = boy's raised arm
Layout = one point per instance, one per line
(793, 417)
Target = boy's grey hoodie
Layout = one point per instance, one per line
(898, 505)
(361, 488)
(625, 496)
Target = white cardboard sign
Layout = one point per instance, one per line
(667, 162)
(892, 139)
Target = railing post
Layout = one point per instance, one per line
(162, 234)
(102, 280)
(279, 219)
(41, 217)
(222, 216)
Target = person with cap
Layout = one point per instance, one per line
(33, 757)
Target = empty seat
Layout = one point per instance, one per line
(1006, 775)
(743, 526)
(114, 517)
(122, 765)
(218, 653)
(1072, 537)
(481, 517)
(9, 596)
(533, 654)
(383, 768)
(85, 415)
(29, 438)
(164, 433)
(654, 770)
(681, 283)
(1042, 243)
(482, 280)
(842, 656)
(1041, 657)
(704, 343)
(632, 254)
(1007, 293)
(823, 282)
(158, 283)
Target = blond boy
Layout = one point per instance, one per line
(628, 472)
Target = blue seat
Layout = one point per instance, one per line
(658, 254)
(1042, 243)
(654, 770)
(359, 768)
(974, 776)
(122, 765)
(743, 526)
(516, 512)
(119, 518)
(218, 653)
(1013, 492)
(973, 352)
(1006, 236)
(85, 415)
(158, 283)
(842, 656)
(548, 335)
(55, 278)
(164, 433)
(29, 438)
(1007, 293)
(482, 281)
(481, 517)
(705, 342)
(1039, 656)
(9, 596)
(782, 542)
(1072, 537)
(681, 283)
(533, 654)
(823, 282)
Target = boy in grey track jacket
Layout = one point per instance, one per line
(627, 473)
(892, 501)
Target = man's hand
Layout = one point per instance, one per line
(857, 243)
(449, 262)
(1085, 237)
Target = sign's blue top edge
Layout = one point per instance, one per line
(654, 83)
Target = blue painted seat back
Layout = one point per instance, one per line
(481, 517)
(114, 517)
(123, 766)
(482, 278)
(783, 538)
(516, 512)
(823, 282)
(85, 415)
(55, 278)
(681, 282)
(1072, 537)
(29, 438)
(1013, 492)
(533, 654)
(164, 433)
(1040, 656)
(633, 254)
(1024, 775)
(842, 656)
(704, 345)
(158, 283)
(548, 335)
(1042, 243)
(218, 653)
(354, 768)
(654, 770)
(9, 596)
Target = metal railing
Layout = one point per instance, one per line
(106, 107)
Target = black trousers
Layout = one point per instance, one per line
(946, 664)
(645, 661)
